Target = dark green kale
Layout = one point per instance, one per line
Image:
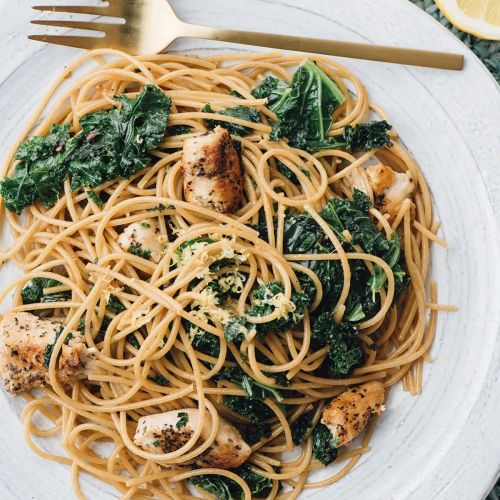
(95, 198)
(300, 428)
(132, 340)
(260, 486)
(115, 305)
(224, 488)
(353, 215)
(254, 409)
(236, 329)
(183, 419)
(221, 487)
(139, 251)
(116, 143)
(345, 352)
(324, 445)
(178, 130)
(253, 388)
(241, 112)
(159, 379)
(361, 137)
(235, 93)
(158, 208)
(112, 143)
(394, 256)
(254, 433)
(302, 235)
(41, 170)
(32, 293)
(305, 109)
(286, 172)
(271, 88)
(106, 320)
(206, 343)
(262, 304)
(50, 347)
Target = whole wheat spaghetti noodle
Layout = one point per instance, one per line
(75, 243)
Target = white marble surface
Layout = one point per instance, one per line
(445, 444)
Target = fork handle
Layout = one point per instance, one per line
(413, 57)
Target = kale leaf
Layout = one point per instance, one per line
(361, 137)
(266, 299)
(254, 433)
(324, 445)
(253, 388)
(40, 173)
(206, 343)
(115, 305)
(254, 409)
(178, 130)
(221, 487)
(32, 293)
(305, 109)
(345, 352)
(112, 143)
(271, 88)
(50, 347)
(224, 488)
(241, 112)
(159, 379)
(353, 215)
(116, 142)
(300, 428)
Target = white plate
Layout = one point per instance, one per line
(446, 443)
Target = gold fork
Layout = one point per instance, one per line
(151, 26)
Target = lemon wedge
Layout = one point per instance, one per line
(477, 17)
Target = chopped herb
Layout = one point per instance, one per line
(156, 443)
(139, 251)
(158, 208)
(183, 419)
(145, 225)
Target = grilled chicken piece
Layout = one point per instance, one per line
(167, 432)
(213, 174)
(25, 350)
(390, 188)
(348, 413)
(143, 235)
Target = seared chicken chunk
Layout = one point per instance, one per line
(347, 414)
(167, 432)
(213, 174)
(143, 235)
(390, 188)
(25, 350)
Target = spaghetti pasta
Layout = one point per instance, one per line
(75, 243)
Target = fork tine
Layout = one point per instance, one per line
(80, 42)
(82, 25)
(113, 9)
